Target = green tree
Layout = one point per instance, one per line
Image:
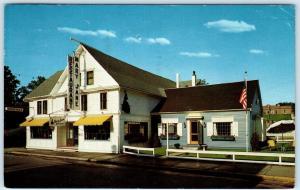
(25, 90)
(11, 84)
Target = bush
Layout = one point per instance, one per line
(177, 145)
(255, 142)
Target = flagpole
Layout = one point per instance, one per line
(247, 132)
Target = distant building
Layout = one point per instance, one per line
(274, 113)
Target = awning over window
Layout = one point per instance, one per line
(92, 120)
(37, 122)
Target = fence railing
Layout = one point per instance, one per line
(257, 157)
(140, 151)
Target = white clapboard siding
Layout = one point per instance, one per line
(235, 130)
(179, 129)
(209, 126)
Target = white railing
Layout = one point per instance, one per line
(232, 156)
(139, 151)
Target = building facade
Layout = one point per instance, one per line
(211, 115)
(111, 108)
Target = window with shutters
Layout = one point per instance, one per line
(172, 131)
(223, 128)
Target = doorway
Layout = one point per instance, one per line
(196, 132)
(72, 135)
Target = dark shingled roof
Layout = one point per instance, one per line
(129, 76)
(210, 97)
(46, 87)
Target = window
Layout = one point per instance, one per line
(90, 77)
(223, 128)
(136, 131)
(45, 107)
(97, 132)
(103, 101)
(39, 107)
(66, 104)
(83, 102)
(172, 129)
(40, 133)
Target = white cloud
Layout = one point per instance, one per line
(133, 39)
(160, 41)
(199, 54)
(230, 26)
(256, 51)
(103, 33)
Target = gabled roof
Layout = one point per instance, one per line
(209, 97)
(129, 76)
(46, 87)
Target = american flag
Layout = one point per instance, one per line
(243, 98)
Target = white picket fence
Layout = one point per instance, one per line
(232, 156)
(138, 151)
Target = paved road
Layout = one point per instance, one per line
(30, 172)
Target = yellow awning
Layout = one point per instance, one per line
(37, 122)
(92, 120)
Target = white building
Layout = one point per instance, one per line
(115, 100)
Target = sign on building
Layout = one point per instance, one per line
(57, 121)
(73, 82)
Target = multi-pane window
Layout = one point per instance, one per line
(40, 133)
(39, 107)
(45, 107)
(90, 77)
(223, 128)
(83, 102)
(97, 132)
(172, 129)
(136, 131)
(103, 100)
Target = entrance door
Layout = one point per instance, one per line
(196, 133)
(72, 135)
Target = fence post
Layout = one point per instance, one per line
(138, 150)
(280, 159)
(167, 153)
(233, 157)
(197, 154)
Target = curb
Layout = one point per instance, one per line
(48, 156)
(190, 170)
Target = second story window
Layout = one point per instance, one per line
(39, 107)
(83, 102)
(66, 104)
(45, 107)
(103, 100)
(90, 77)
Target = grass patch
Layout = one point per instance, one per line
(160, 151)
(257, 158)
(277, 117)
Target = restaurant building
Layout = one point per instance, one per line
(96, 104)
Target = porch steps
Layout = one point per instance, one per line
(67, 149)
(191, 147)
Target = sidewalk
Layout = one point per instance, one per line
(241, 170)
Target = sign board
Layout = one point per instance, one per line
(14, 109)
(73, 82)
(57, 121)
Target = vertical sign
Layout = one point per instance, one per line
(73, 83)
(70, 82)
(76, 83)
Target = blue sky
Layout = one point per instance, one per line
(219, 42)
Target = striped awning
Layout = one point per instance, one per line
(36, 122)
(92, 120)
